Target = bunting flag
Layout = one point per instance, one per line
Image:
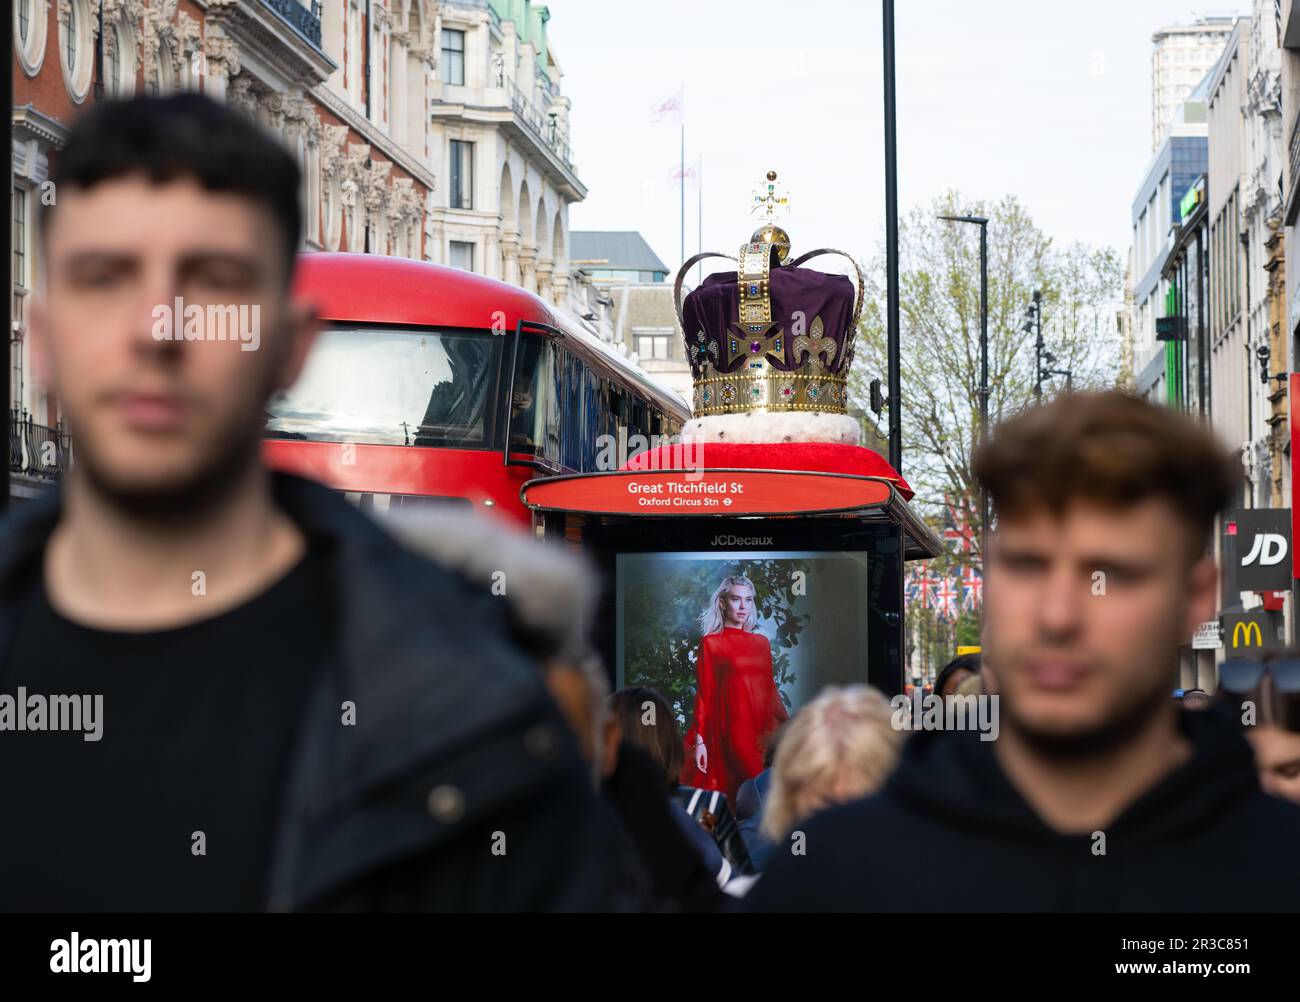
(957, 530)
(945, 598)
(972, 589)
(928, 588)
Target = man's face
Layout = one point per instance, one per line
(158, 418)
(1277, 756)
(1083, 614)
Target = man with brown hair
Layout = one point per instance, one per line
(1100, 793)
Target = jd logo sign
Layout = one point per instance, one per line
(1269, 548)
(1264, 549)
(1245, 632)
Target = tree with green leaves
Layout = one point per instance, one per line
(939, 311)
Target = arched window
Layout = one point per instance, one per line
(73, 36)
(164, 72)
(112, 65)
(30, 18)
(75, 50)
(119, 60)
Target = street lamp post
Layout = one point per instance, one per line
(892, 342)
(1034, 325)
(983, 223)
(1069, 376)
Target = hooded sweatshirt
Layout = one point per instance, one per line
(949, 832)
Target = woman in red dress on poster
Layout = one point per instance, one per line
(737, 704)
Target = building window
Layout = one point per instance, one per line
(461, 173)
(453, 57)
(30, 19)
(20, 249)
(162, 75)
(655, 345)
(353, 61)
(460, 254)
(70, 42)
(111, 62)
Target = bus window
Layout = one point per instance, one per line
(388, 386)
(535, 409)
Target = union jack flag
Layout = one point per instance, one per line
(957, 528)
(925, 588)
(945, 598)
(972, 582)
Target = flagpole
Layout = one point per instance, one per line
(682, 172)
(699, 207)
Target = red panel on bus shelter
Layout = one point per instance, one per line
(810, 457)
(705, 492)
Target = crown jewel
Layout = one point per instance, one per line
(771, 336)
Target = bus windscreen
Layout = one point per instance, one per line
(388, 386)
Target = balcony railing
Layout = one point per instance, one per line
(306, 22)
(36, 449)
(542, 126)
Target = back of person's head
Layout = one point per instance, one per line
(183, 136)
(646, 719)
(840, 746)
(1195, 699)
(954, 672)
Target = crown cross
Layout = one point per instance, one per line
(770, 197)
(753, 341)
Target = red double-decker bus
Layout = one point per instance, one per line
(435, 386)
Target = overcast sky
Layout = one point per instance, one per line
(1050, 101)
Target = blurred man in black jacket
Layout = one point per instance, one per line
(293, 711)
(1100, 794)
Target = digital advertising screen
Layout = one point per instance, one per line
(738, 641)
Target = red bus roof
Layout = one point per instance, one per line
(376, 289)
(373, 288)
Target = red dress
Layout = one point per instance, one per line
(737, 707)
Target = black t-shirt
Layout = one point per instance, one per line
(196, 733)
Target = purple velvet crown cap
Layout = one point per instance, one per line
(714, 308)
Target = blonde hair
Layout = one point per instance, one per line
(839, 747)
(713, 618)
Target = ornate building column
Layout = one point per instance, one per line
(356, 189)
(332, 176)
(377, 199)
(560, 289)
(492, 255)
(543, 271)
(510, 256)
(220, 61)
(528, 267)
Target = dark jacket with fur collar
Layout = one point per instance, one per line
(455, 739)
